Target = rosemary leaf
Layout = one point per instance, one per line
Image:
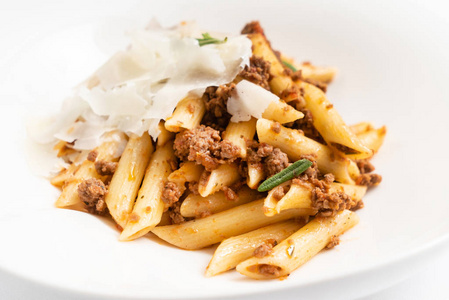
(288, 173)
(207, 40)
(289, 65)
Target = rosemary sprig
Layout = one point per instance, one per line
(288, 173)
(289, 65)
(207, 40)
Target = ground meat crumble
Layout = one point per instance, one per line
(269, 270)
(92, 156)
(105, 167)
(193, 187)
(278, 192)
(253, 27)
(369, 180)
(335, 240)
(276, 162)
(174, 213)
(92, 192)
(271, 159)
(258, 72)
(263, 250)
(230, 194)
(323, 200)
(365, 166)
(216, 99)
(204, 146)
(171, 193)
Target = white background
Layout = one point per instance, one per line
(24, 22)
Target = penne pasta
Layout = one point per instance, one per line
(269, 207)
(374, 138)
(312, 72)
(62, 177)
(224, 175)
(280, 81)
(282, 112)
(198, 206)
(188, 172)
(127, 178)
(239, 133)
(361, 127)
(187, 115)
(299, 248)
(165, 219)
(63, 150)
(300, 195)
(295, 144)
(255, 175)
(236, 249)
(148, 209)
(200, 233)
(330, 124)
(316, 73)
(164, 135)
(110, 150)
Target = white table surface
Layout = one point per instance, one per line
(22, 22)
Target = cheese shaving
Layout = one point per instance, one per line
(249, 99)
(138, 87)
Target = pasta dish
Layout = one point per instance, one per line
(203, 138)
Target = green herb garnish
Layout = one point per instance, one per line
(288, 173)
(290, 66)
(207, 39)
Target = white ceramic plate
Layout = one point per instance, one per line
(394, 65)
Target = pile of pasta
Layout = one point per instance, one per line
(262, 235)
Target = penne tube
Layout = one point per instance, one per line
(295, 144)
(224, 175)
(165, 219)
(373, 139)
(238, 133)
(255, 175)
(236, 249)
(187, 115)
(300, 196)
(125, 182)
(282, 112)
(148, 209)
(197, 206)
(69, 195)
(299, 248)
(316, 73)
(63, 150)
(280, 81)
(164, 135)
(269, 206)
(200, 233)
(109, 150)
(361, 127)
(65, 175)
(330, 124)
(188, 172)
(312, 72)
